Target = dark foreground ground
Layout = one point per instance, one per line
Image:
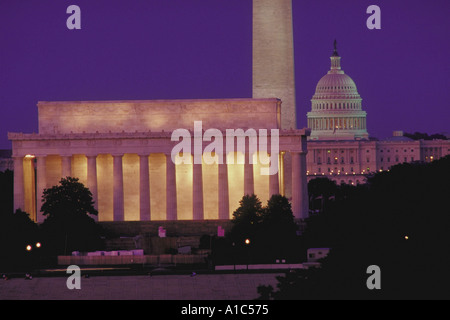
(115, 286)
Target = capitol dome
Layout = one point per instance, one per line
(336, 83)
(336, 112)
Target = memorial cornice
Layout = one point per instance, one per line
(132, 135)
(130, 142)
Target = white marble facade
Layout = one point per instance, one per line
(121, 150)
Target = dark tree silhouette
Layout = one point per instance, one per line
(70, 197)
(6, 192)
(67, 226)
(399, 220)
(424, 136)
(246, 219)
(17, 231)
(270, 230)
(278, 235)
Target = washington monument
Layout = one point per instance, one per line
(273, 56)
(273, 74)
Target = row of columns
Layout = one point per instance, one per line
(337, 106)
(337, 123)
(299, 185)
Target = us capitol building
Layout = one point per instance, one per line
(339, 146)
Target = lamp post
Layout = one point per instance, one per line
(38, 247)
(234, 256)
(247, 244)
(31, 262)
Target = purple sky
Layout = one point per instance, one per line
(175, 49)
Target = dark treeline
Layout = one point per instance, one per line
(425, 136)
(399, 220)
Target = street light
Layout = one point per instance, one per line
(38, 246)
(28, 261)
(32, 257)
(247, 243)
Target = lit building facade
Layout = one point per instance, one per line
(122, 151)
(339, 146)
(336, 111)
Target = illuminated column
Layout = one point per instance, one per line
(29, 182)
(224, 202)
(274, 184)
(66, 166)
(118, 204)
(281, 173)
(197, 192)
(92, 179)
(144, 188)
(171, 189)
(19, 198)
(299, 186)
(249, 186)
(41, 184)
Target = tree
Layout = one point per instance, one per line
(249, 210)
(17, 231)
(279, 230)
(278, 213)
(270, 230)
(425, 136)
(243, 236)
(67, 226)
(6, 192)
(321, 191)
(69, 198)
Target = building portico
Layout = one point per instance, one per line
(132, 175)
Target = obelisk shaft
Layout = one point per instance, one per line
(273, 56)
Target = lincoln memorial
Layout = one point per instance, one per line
(121, 150)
